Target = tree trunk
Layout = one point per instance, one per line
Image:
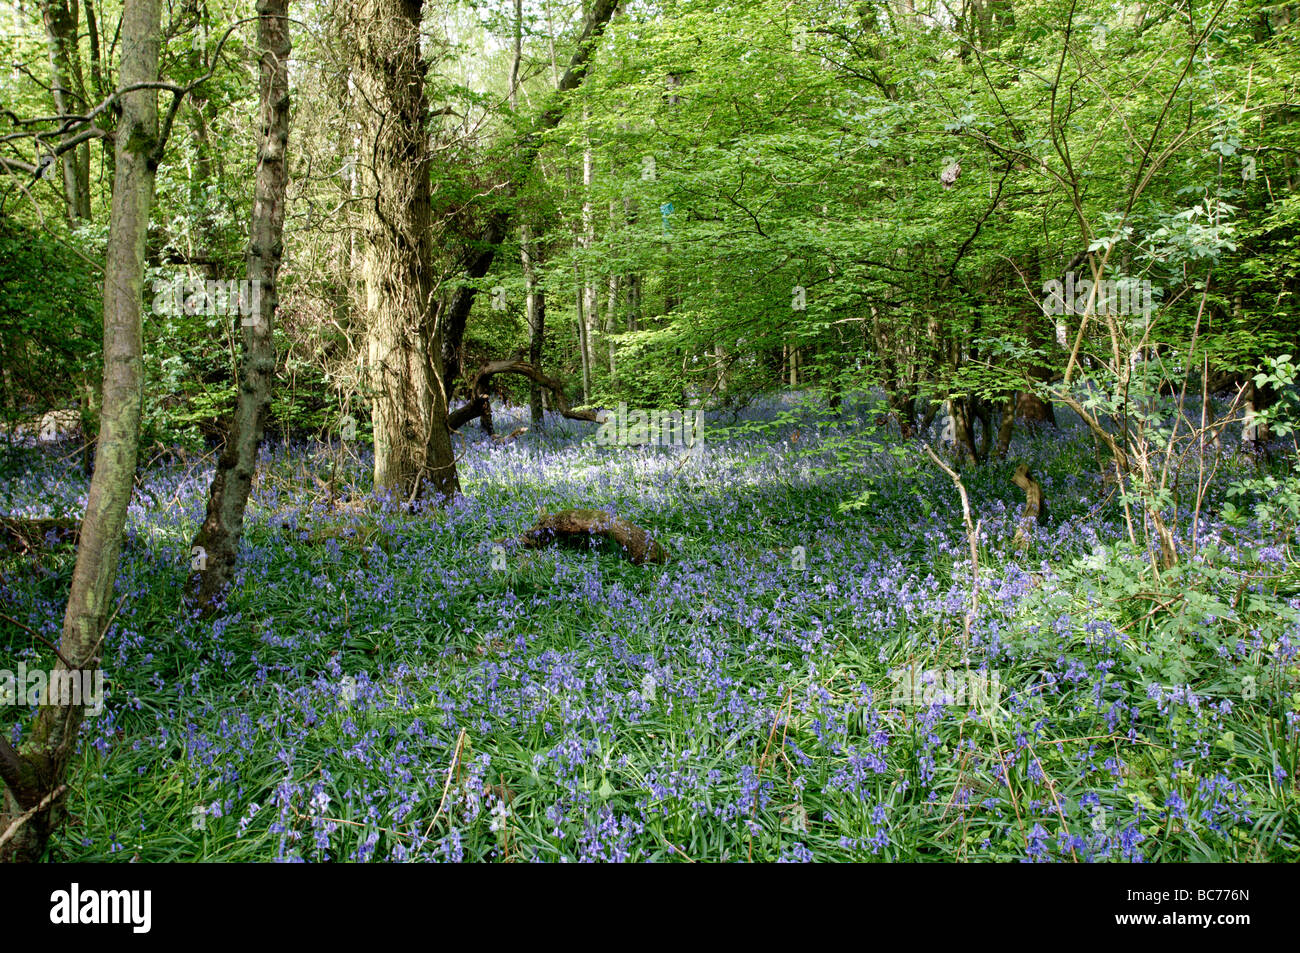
(68, 89)
(534, 301)
(1006, 426)
(590, 297)
(536, 309)
(1035, 504)
(1033, 408)
(34, 777)
(633, 301)
(611, 328)
(408, 400)
(578, 528)
(583, 345)
(217, 542)
(963, 420)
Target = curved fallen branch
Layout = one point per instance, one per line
(479, 404)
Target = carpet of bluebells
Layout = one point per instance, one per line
(392, 684)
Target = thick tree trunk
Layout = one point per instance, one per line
(1031, 407)
(963, 419)
(903, 405)
(217, 541)
(34, 777)
(408, 401)
(1041, 331)
(981, 411)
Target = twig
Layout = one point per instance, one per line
(972, 534)
(451, 768)
(36, 635)
(788, 701)
(28, 815)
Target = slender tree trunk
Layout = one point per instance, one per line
(68, 89)
(535, 308)
(217, 542)
(590, 298)
(580, 301)
(611, 328)
(633, 301)
(534, 297)
(89, 398)
(34, 777)
(632, 281)
(408, 401)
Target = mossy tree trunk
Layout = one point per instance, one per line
(34, 790)
(69, 92)
(217, 541)
(404, 340)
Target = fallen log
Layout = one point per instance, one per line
(581, 527)
(510, 436)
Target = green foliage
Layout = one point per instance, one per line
(50, 327)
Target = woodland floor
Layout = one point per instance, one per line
(377, 690)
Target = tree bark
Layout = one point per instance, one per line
(1029, 406)
(590, 300)
(535, 308)
(33, 776)
(1035, 504)
(60, 19)
(217, 542)
(633, 301)
(1006, 426)
(408, 400)
(611, 329)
